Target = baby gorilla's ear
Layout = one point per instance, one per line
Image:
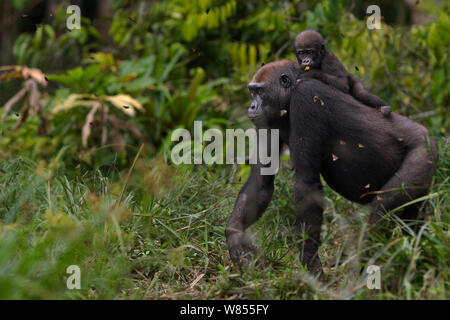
(285, 81)
(322, 50)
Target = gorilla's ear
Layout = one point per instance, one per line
(322, 49)
(285, 81)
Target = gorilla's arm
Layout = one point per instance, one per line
(251, 203)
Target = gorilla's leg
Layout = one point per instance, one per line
(410, 215)
(309, 208)
(307, 136)
(410, 182)
(411, 212)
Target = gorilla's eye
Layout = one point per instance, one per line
(285, 81)
(256, 90)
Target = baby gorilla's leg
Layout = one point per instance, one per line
(361, 94)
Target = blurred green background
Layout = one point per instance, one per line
(76, 105)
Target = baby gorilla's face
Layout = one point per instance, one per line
(309, 49)
(308, 58)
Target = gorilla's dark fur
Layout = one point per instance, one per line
(369, 159)
(310, 51)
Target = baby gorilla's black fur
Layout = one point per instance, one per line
(329, 133)
(311, 52)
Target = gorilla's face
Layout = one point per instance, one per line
(270, 89)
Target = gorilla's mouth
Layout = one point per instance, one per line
(255, 118)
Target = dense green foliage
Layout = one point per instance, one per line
(65, 156)
(155, 247)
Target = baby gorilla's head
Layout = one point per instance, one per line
(309, 49)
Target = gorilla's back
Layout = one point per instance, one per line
(363, 149)
(363, 155)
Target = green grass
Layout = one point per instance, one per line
(165, 238)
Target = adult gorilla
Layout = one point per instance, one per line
(367, 158)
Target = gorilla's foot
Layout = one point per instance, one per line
(241, 249)
(386, 111)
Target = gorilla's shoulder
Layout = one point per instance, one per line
(310, 93)
(313, 86)
(313, 89)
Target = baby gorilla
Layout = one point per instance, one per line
(317, 62)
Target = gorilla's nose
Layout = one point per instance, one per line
(252, 111)
(306, 61)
